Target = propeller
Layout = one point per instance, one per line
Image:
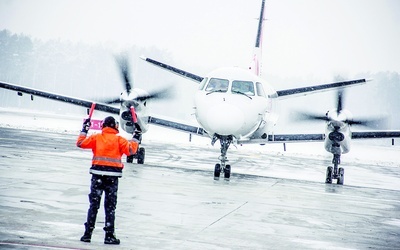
(158, 94)
(340, 115)
(131, 97)
(326, 117)
(123, 65)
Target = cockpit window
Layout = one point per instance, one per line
(217, 85)
(260, 89)
(244, 87)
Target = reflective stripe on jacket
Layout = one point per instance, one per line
(108, 148)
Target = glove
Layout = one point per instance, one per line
(137, 137)
(86, 126)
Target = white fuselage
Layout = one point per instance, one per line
(233, 101)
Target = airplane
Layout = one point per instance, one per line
(232, 106)
(235, 106)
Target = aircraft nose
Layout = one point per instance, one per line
(225, 119)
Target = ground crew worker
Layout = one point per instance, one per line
(108, 148)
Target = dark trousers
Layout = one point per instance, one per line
(108, 184)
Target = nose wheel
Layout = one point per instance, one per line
(335, 172)
(219, 169)
(222, 167)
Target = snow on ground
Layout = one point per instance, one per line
(370, 151)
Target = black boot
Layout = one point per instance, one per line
(87, 236)
(110, 237)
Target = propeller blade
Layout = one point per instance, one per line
(371, 123)
(110, 101)
(160, 94)
(124, 67)
(310, 117)
(340, 100)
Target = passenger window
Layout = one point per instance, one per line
(260, 89)
(243, 87)
(217, 85)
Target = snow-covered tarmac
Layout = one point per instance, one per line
(274, 200)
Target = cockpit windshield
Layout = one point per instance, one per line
(243, 87)
(217, 85)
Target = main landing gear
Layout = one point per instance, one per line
(139, 156)
(335, 172)
(140, 152)
(222, 167)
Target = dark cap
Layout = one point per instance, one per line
(109, 121)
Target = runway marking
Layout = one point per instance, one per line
(234, 210)
(224, 216)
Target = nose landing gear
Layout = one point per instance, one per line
(222, 166)
(219, 169)
(335, 172)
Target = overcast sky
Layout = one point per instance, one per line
(301, 38)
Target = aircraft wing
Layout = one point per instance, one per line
(285, 138)
(101, 107)
(61, 98)
(295, 137)
(317, 88)
(375, 134)
(177, 126)
(280, 138)
(174, 70)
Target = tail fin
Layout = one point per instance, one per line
(258, 48)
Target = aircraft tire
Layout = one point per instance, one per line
(227, 172)
(140, 155)
(217, 171)
(340, 179)
(129, 158)
(329, 171)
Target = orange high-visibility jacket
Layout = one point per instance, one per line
(108, 148)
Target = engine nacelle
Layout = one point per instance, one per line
(126, 121)
(337, 141)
